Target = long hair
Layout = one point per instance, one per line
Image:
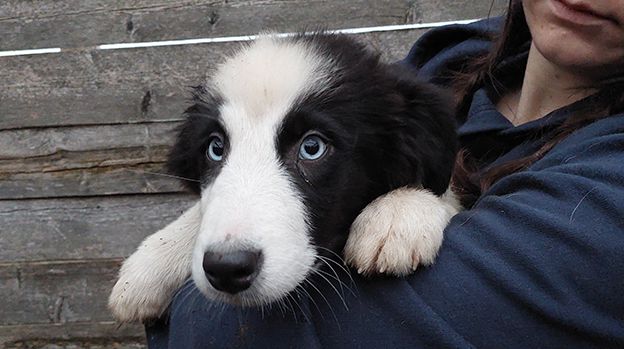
(469, 180)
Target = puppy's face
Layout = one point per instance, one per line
(290, 140)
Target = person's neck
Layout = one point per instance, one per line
(545, 88)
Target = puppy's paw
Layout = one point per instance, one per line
(398, 231)
(149, 278)
(140, 294)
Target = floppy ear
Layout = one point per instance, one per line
(186, 156)
(426, 143)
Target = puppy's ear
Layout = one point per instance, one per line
(426, 142)
(186, 156)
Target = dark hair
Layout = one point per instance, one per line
(469, 181)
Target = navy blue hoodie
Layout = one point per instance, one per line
(537, 262)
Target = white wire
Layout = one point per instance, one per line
(38, 51)
(239, 38)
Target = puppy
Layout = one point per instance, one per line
(301, 147)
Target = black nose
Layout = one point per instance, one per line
(232, 272)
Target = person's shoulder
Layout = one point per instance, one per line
(612, 125)
(446, 48)
(604, 136)
(595, 152)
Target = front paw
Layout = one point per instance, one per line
(140, 294)
(149, 278)
(398, 231)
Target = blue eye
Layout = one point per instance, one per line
(312, 148)
(215, 149)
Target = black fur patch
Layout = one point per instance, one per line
(187, 158)
(385, 128)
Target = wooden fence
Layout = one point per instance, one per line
(81, 130)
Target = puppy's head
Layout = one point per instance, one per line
(290, 140)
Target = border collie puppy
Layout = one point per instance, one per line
(302, 147)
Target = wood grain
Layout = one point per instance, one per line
(142, 178)
(49, 23)
(85, 335)
(85, 161)
(77, 228)
(56, 292)
(53, 144)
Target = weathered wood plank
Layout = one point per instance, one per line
(49, 23)
(85, 161)
(76, 228)
(77, 343)
(103, 87)
(58, 143)
(56, 292)
(101, 180)
(123, 86)
(61, 301)
(90, 335)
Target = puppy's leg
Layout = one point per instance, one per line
(149, 278)
(399, 230)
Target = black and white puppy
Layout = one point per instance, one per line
(302, 147)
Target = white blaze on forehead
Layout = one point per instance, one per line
(266, 77)
(253, 201)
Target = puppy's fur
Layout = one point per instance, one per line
(388, 145)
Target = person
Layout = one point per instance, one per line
(537, 258)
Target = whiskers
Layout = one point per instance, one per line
(342, 264)
(163, 175)
(193, 301)
(329, 270)
(327, 276)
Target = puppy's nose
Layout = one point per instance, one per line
(232, 272)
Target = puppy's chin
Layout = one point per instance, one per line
(277, 278)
